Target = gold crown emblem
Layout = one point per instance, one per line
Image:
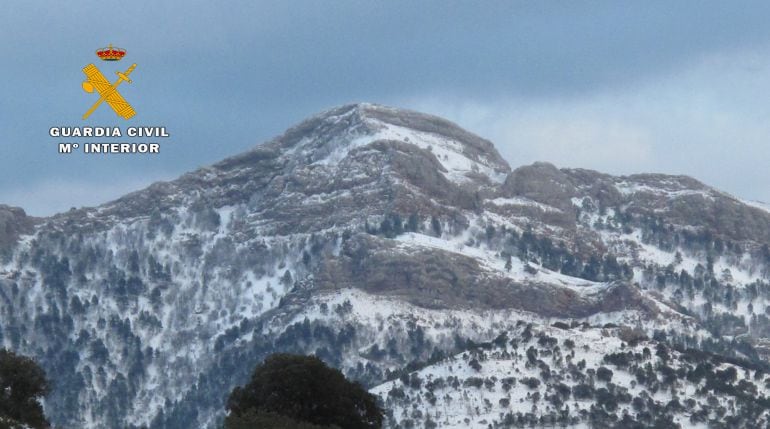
(111, 54)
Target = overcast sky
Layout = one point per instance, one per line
(620, 87)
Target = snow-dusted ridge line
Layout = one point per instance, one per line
(627, 189)
(448, 152)
(757, 204)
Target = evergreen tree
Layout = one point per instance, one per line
(436, 225)
(254, 420)
(22, 385)
(413, 224)
(304, 389)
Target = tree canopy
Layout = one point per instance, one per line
(253, 419)
(22, 384)
(304, 389)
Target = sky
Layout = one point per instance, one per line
(677, 87)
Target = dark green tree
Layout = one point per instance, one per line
(305, 389)
(436, 226)
(254, 420)
(413, 224)
(22, 384)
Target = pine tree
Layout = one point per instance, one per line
(23, 384)
(304, 389)
(436, 225)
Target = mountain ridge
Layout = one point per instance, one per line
(149, 308)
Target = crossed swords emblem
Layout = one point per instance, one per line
(108, 91)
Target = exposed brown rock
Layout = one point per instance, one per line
(438, 279)
(13, 223)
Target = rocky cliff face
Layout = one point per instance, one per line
(380, 239)
(14, 222)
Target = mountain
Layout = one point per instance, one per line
(403, 250)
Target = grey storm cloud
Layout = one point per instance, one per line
(224, 76)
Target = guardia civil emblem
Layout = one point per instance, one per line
(107, 91)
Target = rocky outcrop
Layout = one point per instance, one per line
(13, 223)
(439, 279)
(541, 182)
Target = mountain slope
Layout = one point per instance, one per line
(579, 376)
(380, 239)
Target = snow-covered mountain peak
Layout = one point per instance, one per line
(328, 138)
(381, 240)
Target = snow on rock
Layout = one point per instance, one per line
(574, 377)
